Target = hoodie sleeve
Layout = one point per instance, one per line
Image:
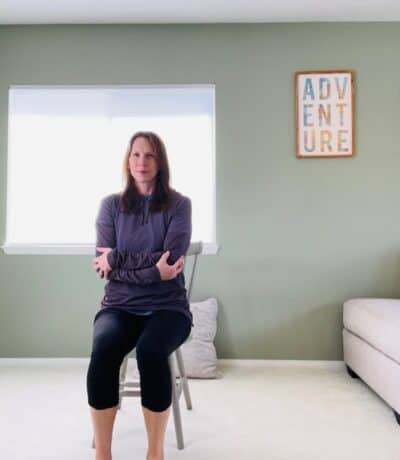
(179, 233)
(105, 231)
(132, 260)
(105, 237)
(141, 276)
(177, 241)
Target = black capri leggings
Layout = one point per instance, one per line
(116, 333)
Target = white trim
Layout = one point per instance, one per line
(209, 249)
(74, 249)
(58, 361)
(285, 362)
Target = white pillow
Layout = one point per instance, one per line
(198, 352)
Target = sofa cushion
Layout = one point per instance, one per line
(377, 321)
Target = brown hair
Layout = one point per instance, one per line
(130, 199)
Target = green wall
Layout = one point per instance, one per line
(297, 236)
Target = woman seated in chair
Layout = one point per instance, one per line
(143, 234)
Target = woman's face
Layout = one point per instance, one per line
(143, 162)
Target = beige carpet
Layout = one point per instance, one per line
(272, 410)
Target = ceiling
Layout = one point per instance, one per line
(194, 11)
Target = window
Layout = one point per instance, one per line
(65, 150)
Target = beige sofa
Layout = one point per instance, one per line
(371, 346)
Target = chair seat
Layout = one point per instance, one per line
(377, 321)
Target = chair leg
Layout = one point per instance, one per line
(124, 365)
(122, 378)
(185, 385)
(175, 405)
(397, 415)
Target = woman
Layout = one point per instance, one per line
(143, 235)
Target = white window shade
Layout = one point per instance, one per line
(65, 151)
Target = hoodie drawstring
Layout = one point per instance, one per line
(145, 211)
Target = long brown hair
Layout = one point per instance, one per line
(130, 199)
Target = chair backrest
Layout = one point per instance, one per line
(195, 249)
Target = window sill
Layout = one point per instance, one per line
(74, 249)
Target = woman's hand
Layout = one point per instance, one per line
(169, 272)
(100, 263)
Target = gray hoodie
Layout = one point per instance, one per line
(138, 241)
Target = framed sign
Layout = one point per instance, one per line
(325, 114)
